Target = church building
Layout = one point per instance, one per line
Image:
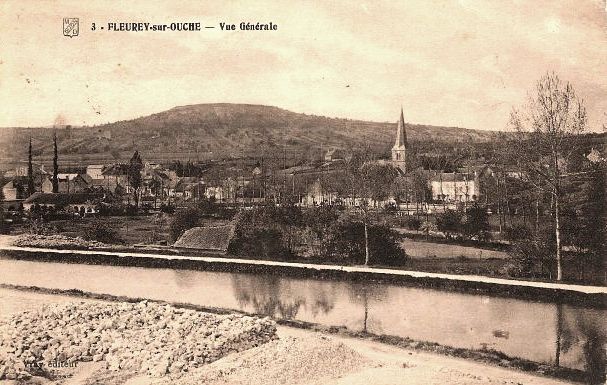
(445, 187)
(399, 151)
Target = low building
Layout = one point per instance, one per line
(334, 154)
(71, 202)
(211, 238)
(95, 171)
(13, 190)
(316, 195)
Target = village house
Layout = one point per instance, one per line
(316, 195)
(183, 188)
(68, 183)
(95, 171)
(454, 187)
(114, 175)
(223, 191)
(334, 154)
(14, 190)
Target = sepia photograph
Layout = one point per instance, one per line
(270, 192)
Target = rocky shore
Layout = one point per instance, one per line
(145, 338)
(299, 357)
(56, 242)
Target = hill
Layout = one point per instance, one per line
(218, 131)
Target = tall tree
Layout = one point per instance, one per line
(134, 175)
(55, 165)
(30, 171)
(377, 181)
(545, 128)
(2, 223)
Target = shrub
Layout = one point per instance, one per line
(259, 243)
(183, 220)
(167, 209)
(101, 232)
(4, 224)
(475, 223)
(449, 222)
(267, 232)
(346, 241)
(39, 227)
(131, 210)
(527, 253)
(207, 206)
(414, 223)
(427, 227)
(518, 232)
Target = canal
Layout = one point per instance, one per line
(575, 336)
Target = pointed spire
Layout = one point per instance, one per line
(401, 134)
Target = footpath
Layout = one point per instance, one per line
(379, 272)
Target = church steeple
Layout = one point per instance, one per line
(400, 146)
(401, 134)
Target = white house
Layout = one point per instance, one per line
(95, 171)
(454, 187)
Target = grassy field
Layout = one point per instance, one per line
(419, 249)
(131, 230)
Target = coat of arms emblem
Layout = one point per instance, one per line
(70, 26)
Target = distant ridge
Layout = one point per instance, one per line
(220, 130)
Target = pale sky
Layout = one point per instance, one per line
(458, 63)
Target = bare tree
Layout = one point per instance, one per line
(544, 130)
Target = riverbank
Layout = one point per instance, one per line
(306, 357)
(594, 296)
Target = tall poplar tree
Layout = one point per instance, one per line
(134, 175)
(55, 165)
(30, 171)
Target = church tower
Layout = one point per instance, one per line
(400, 146)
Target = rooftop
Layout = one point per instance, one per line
(215, 238)
(63, 198)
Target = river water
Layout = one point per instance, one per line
(542, 332)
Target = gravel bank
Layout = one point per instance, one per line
(290, 360)
(144, 337)
(364, 361)
(56, 241)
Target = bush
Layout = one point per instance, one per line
(413, 223)
(131, 210)
(267, 232)
(427, 227)
(101, 232)
(449, 222)
(518, 232)
(259, 243)
(40, 227)
(527, 253)
(346, 241)
(207, 206)
(167, 209)
(184, 220)
(475, 224)
(4, 224)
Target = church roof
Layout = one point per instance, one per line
(401, 134)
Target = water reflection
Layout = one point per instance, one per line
(264, 295)
(582, 333)
(363, 293)
(543, 332)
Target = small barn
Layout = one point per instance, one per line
(209, 238)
